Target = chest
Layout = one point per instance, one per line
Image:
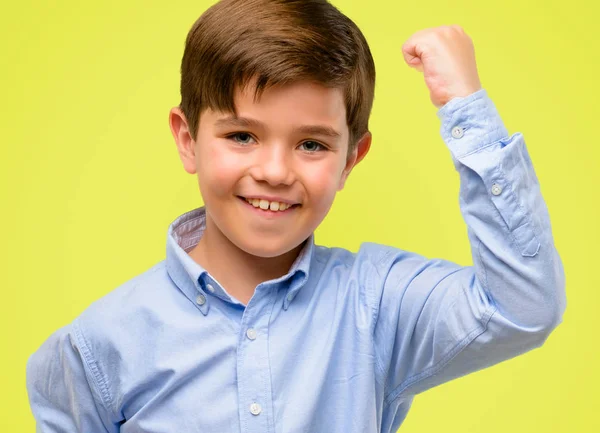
(309, 368)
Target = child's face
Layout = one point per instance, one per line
(290, 147)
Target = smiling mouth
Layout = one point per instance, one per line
(265, 205)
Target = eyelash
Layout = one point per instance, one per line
(322, 147)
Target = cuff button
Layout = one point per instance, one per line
(458, 132)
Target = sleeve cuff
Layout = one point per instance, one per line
(470, 123)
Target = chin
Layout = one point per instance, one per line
(267, 253)
(266, 250)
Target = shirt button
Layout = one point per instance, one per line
(290, 297)
(200, 299)
(255, 409)
(458, 132)
(210, 288)
(251, 333)
(496, 189)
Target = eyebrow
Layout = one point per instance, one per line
(244, 122)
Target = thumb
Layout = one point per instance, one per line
(415, 63)
(411, 56)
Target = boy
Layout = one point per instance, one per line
(248, 326)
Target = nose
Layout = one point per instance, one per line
(274, 166)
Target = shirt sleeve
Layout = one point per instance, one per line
(436, 320)
(64, 394)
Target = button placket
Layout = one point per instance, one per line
(255, 409)
(251, 334)
(253, 374)
(496, 189)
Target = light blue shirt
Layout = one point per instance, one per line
(340, 344)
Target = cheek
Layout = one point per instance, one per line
(218, 168)
(323, 184)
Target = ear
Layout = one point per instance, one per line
(357, 155)
(183, 139)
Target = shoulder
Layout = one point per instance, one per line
(389, 261)
(379, 257)
(118, 307)
(91, 349)
(368, 269)
(132, 312)
(141, 291)
(382, 271)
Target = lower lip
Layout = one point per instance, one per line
(269, 213)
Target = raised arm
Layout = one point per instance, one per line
(436, 320)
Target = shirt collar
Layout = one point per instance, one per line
(197, 284)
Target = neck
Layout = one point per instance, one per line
(250, 270)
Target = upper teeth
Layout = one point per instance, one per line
(265, 204)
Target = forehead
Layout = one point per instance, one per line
(301, 102)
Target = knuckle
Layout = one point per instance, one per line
(443, 32)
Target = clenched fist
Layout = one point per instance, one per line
(446, 57)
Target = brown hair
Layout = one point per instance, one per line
(275, 42)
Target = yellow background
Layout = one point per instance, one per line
(90, 178)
